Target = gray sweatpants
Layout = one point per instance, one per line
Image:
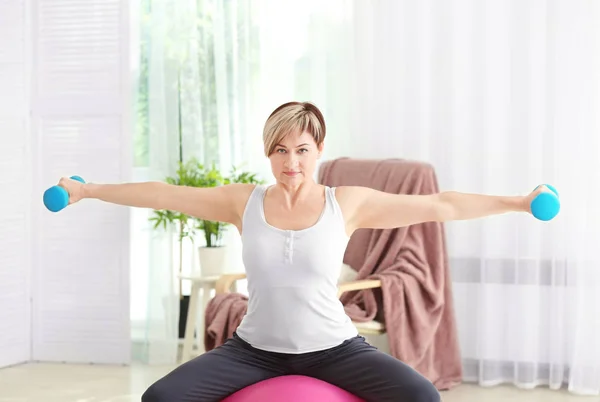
(354, 365)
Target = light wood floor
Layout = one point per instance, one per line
(87, 383)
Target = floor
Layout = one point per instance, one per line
(86, 383)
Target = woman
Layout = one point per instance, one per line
(294, 235)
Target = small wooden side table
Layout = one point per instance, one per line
(195, 319)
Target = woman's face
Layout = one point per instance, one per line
(294, 159)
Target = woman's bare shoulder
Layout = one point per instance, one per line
(240, 192)
(350, 198)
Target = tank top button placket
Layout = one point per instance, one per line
(289, 246)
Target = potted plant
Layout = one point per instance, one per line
(212, 254)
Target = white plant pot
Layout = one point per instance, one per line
(213, 260)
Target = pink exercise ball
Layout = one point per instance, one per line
(292, 388)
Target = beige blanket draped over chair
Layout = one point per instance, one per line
(402, 285)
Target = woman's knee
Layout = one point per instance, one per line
(422, 391)
(160, 391)
(154, 393)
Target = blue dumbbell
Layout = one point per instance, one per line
(57, 198)
(545, 206)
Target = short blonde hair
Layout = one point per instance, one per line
(293, 117)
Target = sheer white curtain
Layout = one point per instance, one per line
(154, 293)
(499, 95)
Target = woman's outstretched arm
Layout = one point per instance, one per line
(213, 203)
(368, 208)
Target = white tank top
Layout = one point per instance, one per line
(292, 277)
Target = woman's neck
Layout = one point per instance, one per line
(292, 195)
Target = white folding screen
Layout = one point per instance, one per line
(80, 127)
(15, 184)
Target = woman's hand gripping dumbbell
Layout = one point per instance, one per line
(543, 202)
(66, 192)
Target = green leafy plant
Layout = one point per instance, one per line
(195, 174)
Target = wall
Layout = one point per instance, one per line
(15, 181)
(64, 101)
